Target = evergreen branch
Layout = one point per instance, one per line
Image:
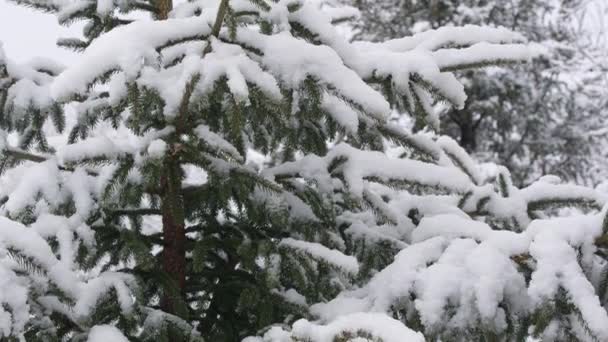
(480, 65)
(26, 156)
(174, 42)
(412, 186)
(246, 13)
(185, 101)
(432, 88)
(461, 165)
(377, 205)
(244, 46)
(46, 7)
(464, 199)
(22, 155)
(138, 211)
(27, 264)
(557, 202)
(219, 20)
(503, 185)
(341, 20)
(423, 151)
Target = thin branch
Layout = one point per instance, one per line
(132, 212)
(22, 155)
(219, 20)
(217, 25)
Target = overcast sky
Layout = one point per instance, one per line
(27, 33)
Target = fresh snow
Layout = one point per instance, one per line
(322, 253)
(456, 245)
(106, 333)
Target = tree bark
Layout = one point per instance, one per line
(174, 245)
(163, 8)
(466, 124)
(172, 211)
(174, 233)
(172, 200)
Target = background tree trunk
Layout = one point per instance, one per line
(467, 131)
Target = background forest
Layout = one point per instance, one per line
(545, 117)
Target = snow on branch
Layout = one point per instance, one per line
(443, 37)
(359, 326)
(24, 88)
(127, 48)
(322, 253)
(28, 245)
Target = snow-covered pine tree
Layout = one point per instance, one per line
(194, 232)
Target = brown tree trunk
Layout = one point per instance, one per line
(467, 131)
(174, 235)
(174, 245)
(163, 8)
(172, 201)
(172, 208)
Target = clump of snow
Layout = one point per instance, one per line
(110, 147)
(14, 295)
(361, 165)
(127, 48)
(216, 141)
(105, 333)
(26, 85)
(157, 148)
(294, 60)
(341, 112)
(433, 40)
(39, 179)
(377, 324)
(292, 296)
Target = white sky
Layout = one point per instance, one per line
(27, 33)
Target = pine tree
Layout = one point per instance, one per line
(231, 165)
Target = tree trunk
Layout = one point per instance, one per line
(163, 8)
(467, 131)
(172, 208)
(174, 243)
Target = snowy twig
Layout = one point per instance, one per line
(217, 25)
(22, 155)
